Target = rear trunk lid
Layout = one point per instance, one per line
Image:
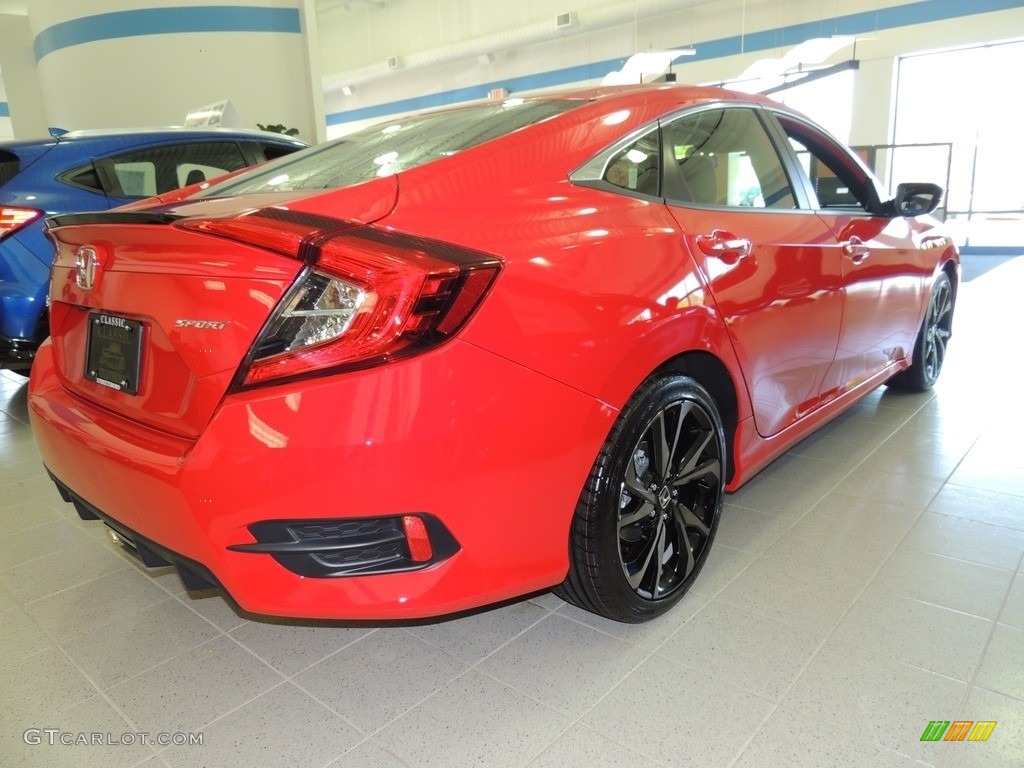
(151, 318)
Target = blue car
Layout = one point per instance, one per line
(90, 171)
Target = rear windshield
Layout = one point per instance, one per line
(388, 148)
(9, 166)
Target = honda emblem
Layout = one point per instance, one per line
(87, 264)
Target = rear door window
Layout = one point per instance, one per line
(724, 157)
(154, 171)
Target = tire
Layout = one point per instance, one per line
(647, 516)
(930, 347)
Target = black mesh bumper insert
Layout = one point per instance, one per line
(348, 547)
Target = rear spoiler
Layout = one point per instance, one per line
(109, 217)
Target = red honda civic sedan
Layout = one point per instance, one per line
(471, 354)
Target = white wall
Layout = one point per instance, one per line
(128, 80)
(27, 116)
(355, 40)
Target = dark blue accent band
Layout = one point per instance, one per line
(853, 24)
(165, 21)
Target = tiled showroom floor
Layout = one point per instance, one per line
(867, 583)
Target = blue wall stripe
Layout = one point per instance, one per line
(5, 110)
(852, 24)
(164, 21)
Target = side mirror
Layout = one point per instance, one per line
(916, 199)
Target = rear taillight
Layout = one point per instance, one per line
(366, 296)
(12, 219)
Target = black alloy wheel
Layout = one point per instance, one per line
(932, 340)
(647, 517)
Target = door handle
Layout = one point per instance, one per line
(856, 250)
(724, 245)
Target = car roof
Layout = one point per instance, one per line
(151, 134)
(175, 131)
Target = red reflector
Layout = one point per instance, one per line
(420, 549)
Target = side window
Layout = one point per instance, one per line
(838, 180)
(85, 177)
(274, 151)
(148, 172)
(724, 157)
(636, 167)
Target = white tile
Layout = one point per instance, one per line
(83, 607)
(981, 506)
(674, 714)
(39, 541)
(1002, 670)
(862, 517)
(477, 635)
(1013, 610)
(292, 647)
(1001, 477)
(907, 630)
(473, 721)
(946, 581)
(791, 592)
(368, 754)
(966, 539)
(53, 573)
(847, 555)
(795, 468)
(764, 493)
(554, 662)
(23, 515)
(38, 686)
(889, 702)
(750, 530)
(580, 746)
(134, 642)
(281, 727)
(20, 636)
(795, 740)
(189, 691)
(377, 678)
(911, 491)
(747, 651)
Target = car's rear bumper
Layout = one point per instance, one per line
(494, 452)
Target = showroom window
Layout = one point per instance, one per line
(724, 157)
(982, 124)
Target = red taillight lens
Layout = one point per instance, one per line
(12, 219)
(372, 297)
(367, 296)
